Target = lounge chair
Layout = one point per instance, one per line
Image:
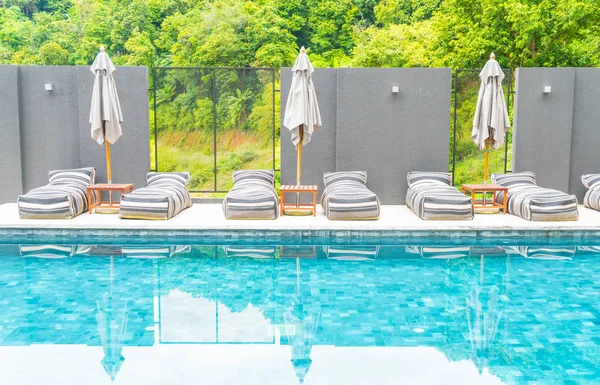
(346, 197)
(431, 196)
(529, 201)
(252, 196)
(439, 252)
(591, 200)
(165, 196)
(64, 197)
(543, 253)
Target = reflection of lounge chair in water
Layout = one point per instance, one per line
(588, 249)
(439, 252)
(543, 253)
(52, 251)
(153, 252)
(351, 253)
(249, 251)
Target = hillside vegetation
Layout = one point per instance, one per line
(194, 104)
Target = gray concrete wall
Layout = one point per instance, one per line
(585, 137)
(367, 127)
(10, 139)
(557, 135)
(52, 131)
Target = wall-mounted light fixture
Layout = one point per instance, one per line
(547, 89)
(395, 89)
(49, 87)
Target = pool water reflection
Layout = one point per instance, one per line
(268, 314)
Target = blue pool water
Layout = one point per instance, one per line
(247, 314)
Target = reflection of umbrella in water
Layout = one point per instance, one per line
(483, 316)
(305, 325)
(112, 326)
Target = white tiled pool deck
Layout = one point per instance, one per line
(210, 217)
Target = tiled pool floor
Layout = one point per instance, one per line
(207, 315)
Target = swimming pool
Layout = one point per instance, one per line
(313, 314)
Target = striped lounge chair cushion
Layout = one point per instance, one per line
(544, 253)
(65, 197)
(431, 197)
(153, 252)
(250, 251)
(165, 196)
(534, 203)
(591, 199)
(439, 252)
(351, 253)
(252, 196)
(346, 197)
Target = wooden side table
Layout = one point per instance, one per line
(474, 189)
(119, 187)
(299, 189)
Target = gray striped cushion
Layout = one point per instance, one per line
(267, 176)
(346, 198)
(252, 196)
(435, 200)
(161, 178)
(414, 177)
(591, 200)
(536, 203)
(351, 253)
(249, 251)
(65, 197)
(514, 179)
(80, 176)
(163, 198)
(591, 180)
(340, 176)
(439, 252)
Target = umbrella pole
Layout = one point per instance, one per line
(299, 162)
(108, 171)
(486, 161)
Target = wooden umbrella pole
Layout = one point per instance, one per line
(108, 172)
(108, 167)
(486, 161)
(299, 162)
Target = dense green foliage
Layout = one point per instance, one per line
(268, 33)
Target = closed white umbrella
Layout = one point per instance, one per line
(105, 111)
(491, 122)
(302, 116)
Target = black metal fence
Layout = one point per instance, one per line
(213, 120)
